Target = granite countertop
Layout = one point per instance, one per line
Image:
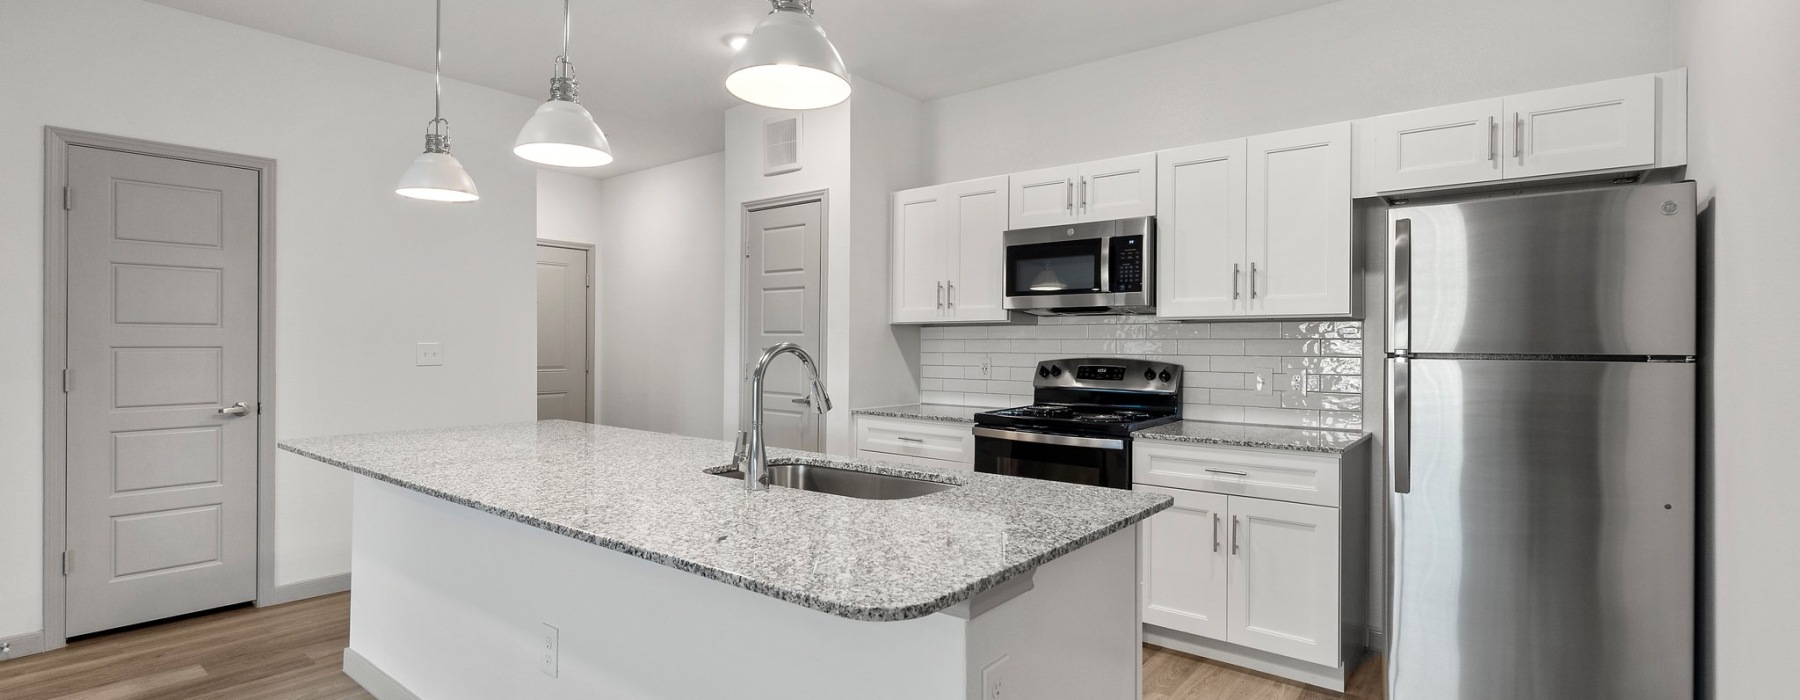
(649, 495)
(925, 411)
(1246, 435)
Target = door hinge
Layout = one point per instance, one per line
(68, 563)
(68, 199)
(67, 381)
(259, 408)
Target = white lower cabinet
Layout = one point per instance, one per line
(1253, 579)
(927, 443)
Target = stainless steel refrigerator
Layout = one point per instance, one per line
(1541, 437)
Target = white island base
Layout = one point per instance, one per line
(450, 602)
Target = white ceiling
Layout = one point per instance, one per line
(653, 71)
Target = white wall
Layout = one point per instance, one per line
(662, 257)
(886, 154)
(1741, 57)
(1340, 61)
(362, 273)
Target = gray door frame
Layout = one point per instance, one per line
(593, 327)
(747, 354)
(57, 142)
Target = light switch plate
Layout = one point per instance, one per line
(430, 354)
(1265, 382)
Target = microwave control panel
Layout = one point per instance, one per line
(1127, 258)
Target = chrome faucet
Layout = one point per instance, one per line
(752, 456)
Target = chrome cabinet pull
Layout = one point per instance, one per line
(952, 295)
(1215, 532)
(1084, 193)
(1518, 137)
(1069, 198)
(940, 294)
(1228, 471)
(1493, 139)
(236, 409)
(1237, 281)
(1252, 280)
(904, 438)
(1234, 536)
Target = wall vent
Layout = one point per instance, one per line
(781, 145)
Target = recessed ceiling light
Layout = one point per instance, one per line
(736, 41)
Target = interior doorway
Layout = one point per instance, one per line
(784, 302)
(565, 335)
(159, 379)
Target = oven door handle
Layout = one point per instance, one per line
(1050, 439)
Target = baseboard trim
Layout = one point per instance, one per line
(22, 645)
(373, 679)
(310, 588)
(1326, 677)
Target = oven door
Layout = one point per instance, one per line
(1073, 459)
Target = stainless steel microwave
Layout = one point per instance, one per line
(1098, 267)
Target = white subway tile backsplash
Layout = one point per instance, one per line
(1316, 365)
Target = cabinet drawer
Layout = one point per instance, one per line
(915, 461)
(1274, 474)
(935, 440)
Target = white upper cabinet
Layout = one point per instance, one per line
(946, 261)
(917, 261)
(1115, 188)
(1201, 205)
(1438, 146)
(1284, 579)
(1624, 124)
(1043, 197)
(1187, 589)
(1298, 231)
(1598, 126)
(977, 221)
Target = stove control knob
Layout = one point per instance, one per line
(1043, 370)
(1165, 376)
(1055, 371)
(1150, 375)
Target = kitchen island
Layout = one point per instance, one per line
(566, 560)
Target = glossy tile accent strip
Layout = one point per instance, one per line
(926, 411)
(649, 495)
(1262, 436)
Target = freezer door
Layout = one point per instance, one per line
(1592, 272)
(1546, 548)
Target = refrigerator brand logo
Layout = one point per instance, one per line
(1670, 207)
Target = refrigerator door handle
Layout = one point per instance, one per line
(1399, 442)
(1400, 288)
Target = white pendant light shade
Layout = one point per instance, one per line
(437, 177)
(787, 63)
(563, 133)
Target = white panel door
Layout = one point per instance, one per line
(1116, 188)
(977, 290)
(1200, 205)
(918, 271)
(1451, 145)
(563, 333)
(1284, 579)
(1185, 564)
(784, 303)
(1597, 126)
(1299, 225)
(162, 325)
(1042, 197)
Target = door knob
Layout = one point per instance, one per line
(236, 409)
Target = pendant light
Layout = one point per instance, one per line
(436, 175)
(787, 63)
(1047, 281)
(562, 132)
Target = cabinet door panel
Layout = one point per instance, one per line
(1299, 223)
(1117, 188)
(1598, 126)
(1185, 563)
(1200, 231)
(917, 270)
(1284, 579)
(1435, 147)
(977, 222)
(1042, 197)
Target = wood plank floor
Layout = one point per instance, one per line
(296, 652)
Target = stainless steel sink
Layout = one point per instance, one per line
(844, 482)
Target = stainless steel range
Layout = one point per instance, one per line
(1078, 430)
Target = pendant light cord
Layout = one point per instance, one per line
(437, 72)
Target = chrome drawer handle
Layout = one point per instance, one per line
(904, 438)
(1228, 471)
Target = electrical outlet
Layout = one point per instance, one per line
(430, 354)
(993, 681)
(987, 367)
(548, 649)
